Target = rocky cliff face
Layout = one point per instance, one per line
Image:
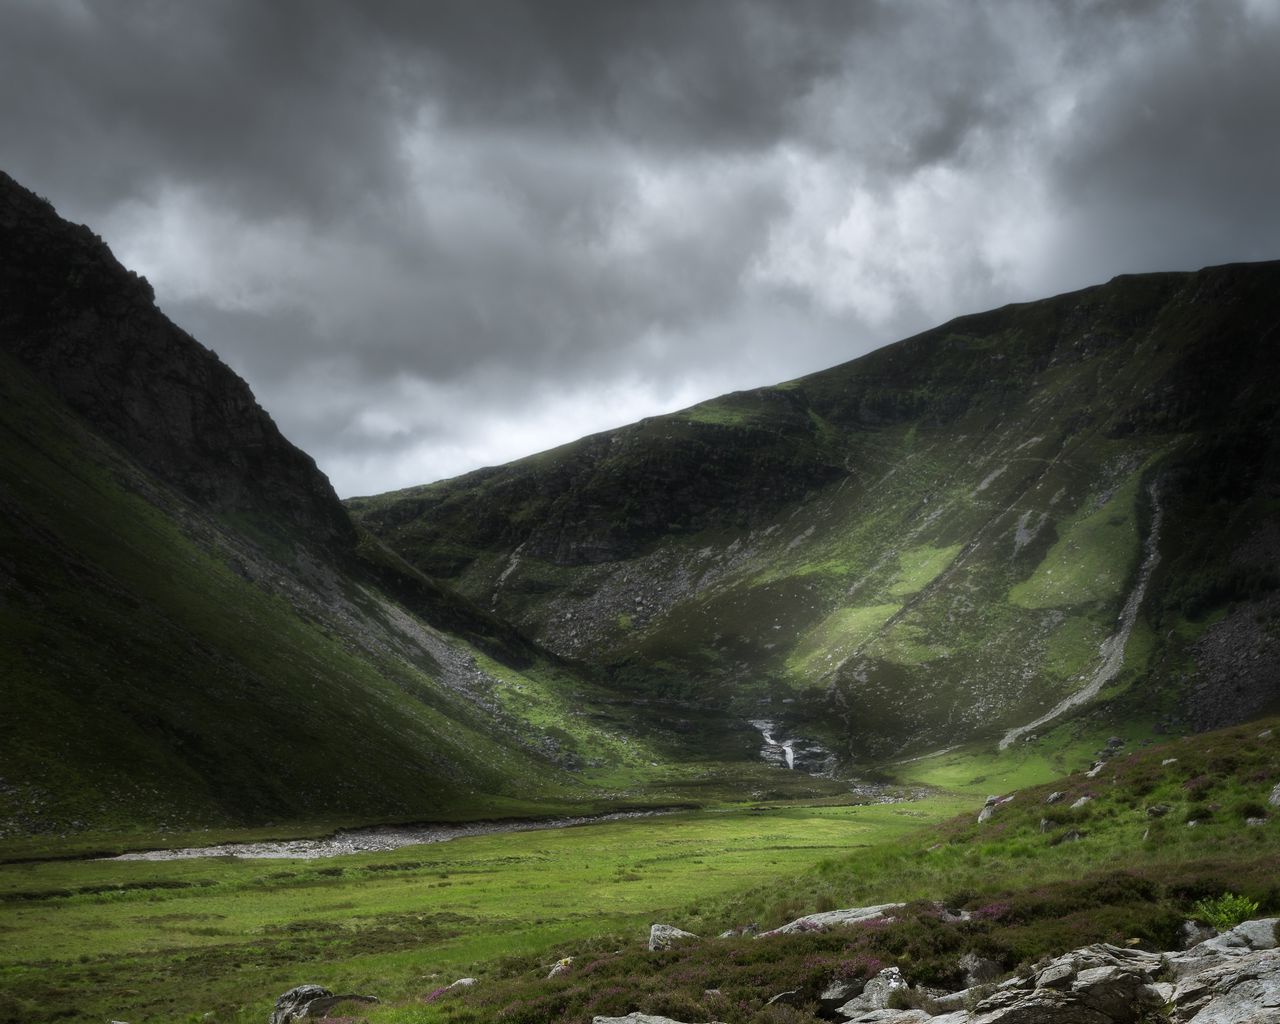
(90, 329)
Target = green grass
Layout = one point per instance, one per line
(171, 941)
(1131, 878)
(1092, 560)
(837, 636)
(919, 567)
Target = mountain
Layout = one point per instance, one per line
(1052, 509)
(194, 634)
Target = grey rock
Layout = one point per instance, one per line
(1058, 974)
(839, 991)
(1093, 772)
(1055, 796)
(1158, 810)
(875, 995)
(978, 970)
(636, 1017)
(1080, 803)
(1192, 933)
(561, 968)
(1251, 935)
(309, 1001)
(1041, 1006)
(739, 931)
(1114, 991)
(1243, 990)
(664, 936)
(985, 813)
(1274, 798)
(893, 1017)
(833, 919)
(1168, 761)
(1255, 822)
(1074, 836)
(792, 997)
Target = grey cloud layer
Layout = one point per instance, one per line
(434, 235)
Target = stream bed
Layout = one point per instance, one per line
(376, 839)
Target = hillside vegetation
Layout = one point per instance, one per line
(194, 634)
(947, 539)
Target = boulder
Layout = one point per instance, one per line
(1252, 935)
(875, 994)
(1192, 933)
(561, 967)
(309, 1001)
(1055, 796)
(1058, 974)
(894, 1017)
(829, 919)
(1115, 991)
(1274, 798)
(978, 970)
(839, 991)
(1242, 990)
(1080, 803)
(664, 936)
(1040, 1006)
(636, 1017)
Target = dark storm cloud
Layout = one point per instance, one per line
(438, 234)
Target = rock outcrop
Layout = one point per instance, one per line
(664, 936)
(833, 919)
(310, 1002)
(90, 330)
(1232, 978)
(638, 1018)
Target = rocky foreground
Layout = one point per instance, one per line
(1232, 978)
(1228, 978)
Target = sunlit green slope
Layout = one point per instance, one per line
(944, 540)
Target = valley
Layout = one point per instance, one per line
(949, 626)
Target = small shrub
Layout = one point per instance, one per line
(1226, 911)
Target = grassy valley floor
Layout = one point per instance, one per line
(141, 941)
(218, 939)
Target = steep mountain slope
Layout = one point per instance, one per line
(1072, 499)
(193, 633)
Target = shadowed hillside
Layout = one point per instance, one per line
(194, 633)
(949, 538)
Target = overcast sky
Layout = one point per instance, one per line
(439, 235)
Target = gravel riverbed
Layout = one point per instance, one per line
(376, 839)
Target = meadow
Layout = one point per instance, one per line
(218, 939)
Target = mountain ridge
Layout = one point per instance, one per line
(621, 547)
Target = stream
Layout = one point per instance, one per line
(376, 839)
(1112, 650)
